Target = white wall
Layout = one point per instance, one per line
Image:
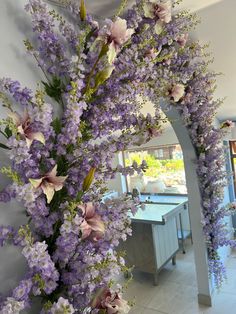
(15, 63)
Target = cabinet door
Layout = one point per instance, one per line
(165, 240)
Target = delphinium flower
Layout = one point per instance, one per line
(62, 306)
(51, 52)
(40, 262)
(12, 306)
(21, 95)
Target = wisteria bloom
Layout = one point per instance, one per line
(24, 128)
(49, 183)
(177, 92)
(157, 9)
(92, 225)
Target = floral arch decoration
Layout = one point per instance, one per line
(60, 165)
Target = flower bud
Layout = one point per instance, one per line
(89, 179)
(104, 75)
(82, 10)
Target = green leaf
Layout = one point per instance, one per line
(79, 195)
(54, 89)
(4, 146)
(56, 124)
(8, 131)
(70, 148)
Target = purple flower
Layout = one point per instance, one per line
(62, 306)
(21, 293)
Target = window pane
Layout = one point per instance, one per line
(165, 173)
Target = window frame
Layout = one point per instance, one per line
(232, 145)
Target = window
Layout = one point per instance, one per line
(165, 173)
(233, 161)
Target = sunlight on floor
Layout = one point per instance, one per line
(177, 290)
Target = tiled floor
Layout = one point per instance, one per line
(177, 291)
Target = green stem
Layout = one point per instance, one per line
(101, 54)
(90, 75)
(44, 72)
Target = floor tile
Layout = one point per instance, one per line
(145, 310)
(177, 290)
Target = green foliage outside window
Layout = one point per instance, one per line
(155, 166)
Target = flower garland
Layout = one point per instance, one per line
(60, 165)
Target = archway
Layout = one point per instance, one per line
(195, 206)
(98, 90)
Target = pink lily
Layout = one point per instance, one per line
(92, 225)
(117, 35)
(156, 9)
(49, 183)
(177, 92)
(227, 124)
(112, 303)
(151, 53)
(182, 39)
(24, 128)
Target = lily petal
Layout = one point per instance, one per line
(96, 223)
(36, 182)
(148, 10)
(20, 129)
(85, 229)
(158, 27)
(89, 210)
(38, 136)
(48, 190)
(57, 182)
(28, 142)
(53, 172)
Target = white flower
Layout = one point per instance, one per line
(12, 306)
(62, 307)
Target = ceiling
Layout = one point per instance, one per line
(218, 25)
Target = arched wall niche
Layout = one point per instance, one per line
(205, 288)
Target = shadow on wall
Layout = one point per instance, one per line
(17, 21)
(105, 8)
